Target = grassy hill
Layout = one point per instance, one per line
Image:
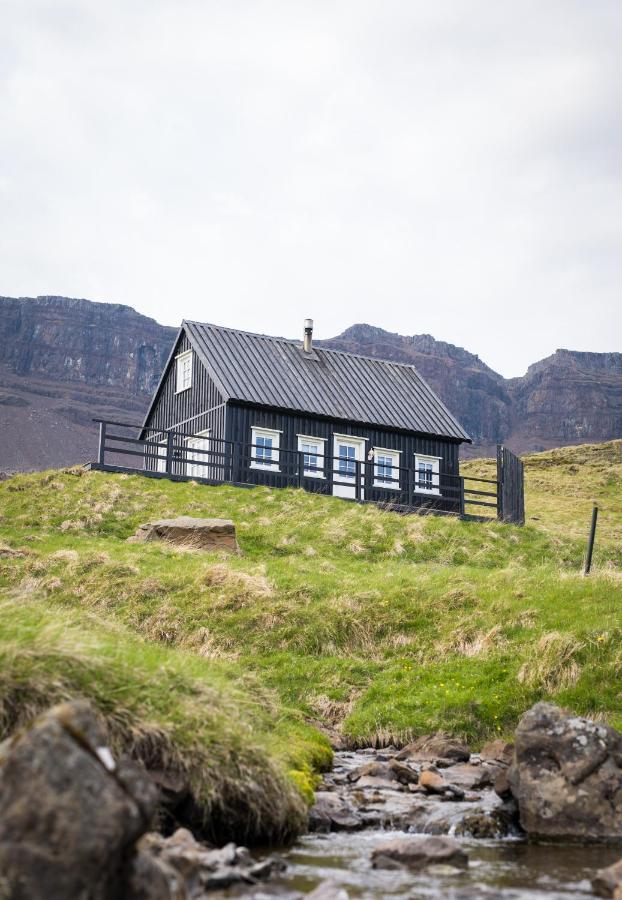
(377, 624)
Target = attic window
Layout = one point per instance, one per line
(184, 372)
(265, 448)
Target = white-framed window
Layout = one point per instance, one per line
(348, 455)
(313, 450)
(161, 448)
(195, 460)
(427, 479)
(386, 468)
(183, 379)
(265, 449)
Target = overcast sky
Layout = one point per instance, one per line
(451, 167)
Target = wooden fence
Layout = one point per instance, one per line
(175, 455)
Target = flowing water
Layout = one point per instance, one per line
(506, 867)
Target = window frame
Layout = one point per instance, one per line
(179, 370)
(436, 479)
(160, 460)
(274, 433)
(190, 461)
(320, 471)
(396, 463)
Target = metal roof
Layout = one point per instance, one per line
(276, 372)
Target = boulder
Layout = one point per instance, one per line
(190, 533)
(419, 852)
(436, 746)
(608, 881)
(330, 812)
(69, 814)
(566, 776)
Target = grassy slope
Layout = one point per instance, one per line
(387, 625)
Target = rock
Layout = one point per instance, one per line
(149, 878)
(266, 868)
(419, 852)
(484, 825)
(190, 533)
(380, 784)
(502, 785)
(431, 746)
(566, 776)
(404, 774)
(432, 781)
(453, 792)
(69, 814)
(328, 890)
(204, 868)
(472, 778)
(372, 770)
(330, 812)
(606, 881)
(497, 751)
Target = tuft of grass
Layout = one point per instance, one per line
(249, 762)
(553, 664)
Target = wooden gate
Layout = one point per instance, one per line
(511, 487)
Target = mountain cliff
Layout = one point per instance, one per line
(65, 361)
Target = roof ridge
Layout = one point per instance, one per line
(272, 337)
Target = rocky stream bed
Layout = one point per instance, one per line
(541, 818)
(363, 806)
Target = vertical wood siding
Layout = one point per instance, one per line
(199, 408)
(241, 419)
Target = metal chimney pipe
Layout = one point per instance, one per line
(307, 343)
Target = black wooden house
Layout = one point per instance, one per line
(250, 409)
(253, 409)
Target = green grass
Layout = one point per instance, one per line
(381, 625)
(248, 760)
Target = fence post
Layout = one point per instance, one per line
(102, 443)
(301, 468)
(461, 487)
(170, 439)
(590, 541)
(500, 511)
(357, 484)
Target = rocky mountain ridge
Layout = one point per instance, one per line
(64, 361)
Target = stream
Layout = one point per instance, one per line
(357, 813)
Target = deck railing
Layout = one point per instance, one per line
(169, 454)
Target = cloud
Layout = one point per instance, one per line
(448, 168)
